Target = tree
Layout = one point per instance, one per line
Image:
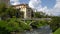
(55, 23)
(57, 31)
(2, 9)
(3, 25)
(39, 23)
(11, 12)
(8, 12)
(40, 15)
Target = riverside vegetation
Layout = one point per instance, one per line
(9, 21)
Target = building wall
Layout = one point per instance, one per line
(26, 9)
(29, 13)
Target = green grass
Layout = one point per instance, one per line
(57, 31)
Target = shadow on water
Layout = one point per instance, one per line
(42, 30)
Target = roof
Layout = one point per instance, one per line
(21, 5)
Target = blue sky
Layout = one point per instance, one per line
(47, 6)
(48, 3)
(24, 1)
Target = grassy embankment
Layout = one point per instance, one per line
(57, 31)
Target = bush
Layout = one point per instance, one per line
(55, 23)
(39, 23)
(3, 25)
(57, 31)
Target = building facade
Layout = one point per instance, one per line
(25, 9)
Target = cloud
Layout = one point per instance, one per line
(34, 3)
(14, 2)
(57, 4)
(53, 11)
(56, 8)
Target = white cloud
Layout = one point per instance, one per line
(53, 11)
(56, 8)
(15, 2)
(57, 4)
(34, 3)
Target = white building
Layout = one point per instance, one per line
(25, 9)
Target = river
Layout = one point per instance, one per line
(42, 30)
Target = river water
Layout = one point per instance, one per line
(42, 30)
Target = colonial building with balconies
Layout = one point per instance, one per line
(27, 11)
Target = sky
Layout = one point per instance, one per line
(51, 7)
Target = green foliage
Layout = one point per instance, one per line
(2, 9)
(8, 12)
(40, 23)
(28, 21)
(13, 25)
(3, 25)
(25, 26)
(11, 11)
(40, 15)
(55, 23)
(57, 31)
(10, 26)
